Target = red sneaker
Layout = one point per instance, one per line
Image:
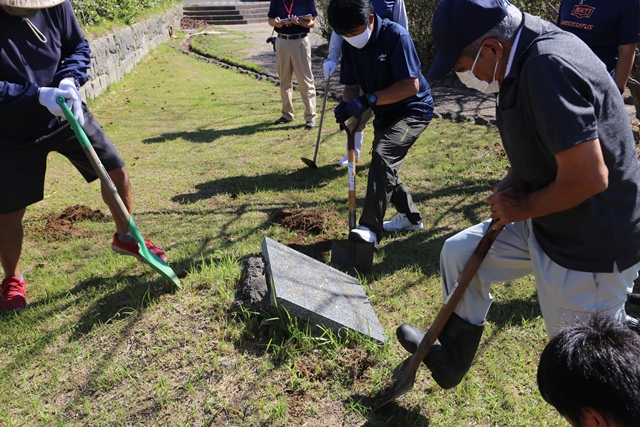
(12, 295)
(132, 248)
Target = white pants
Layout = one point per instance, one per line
(563, 294)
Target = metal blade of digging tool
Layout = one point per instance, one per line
(404, 375)
(146, 255)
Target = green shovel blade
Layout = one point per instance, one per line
(146, 255)
(150, 258)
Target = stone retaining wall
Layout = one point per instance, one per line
(115, 55)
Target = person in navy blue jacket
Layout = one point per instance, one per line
(610, 29)
(393, 10)
(379, 58)
(44, 55)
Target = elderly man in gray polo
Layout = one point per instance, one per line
(570, 203)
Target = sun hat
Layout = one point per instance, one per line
(31, 4)
(458, 23)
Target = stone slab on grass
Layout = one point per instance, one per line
(316, 292)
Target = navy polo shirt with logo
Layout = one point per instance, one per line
(388, 57)
(602, 24)
(278, 8)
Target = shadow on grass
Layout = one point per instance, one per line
(418, 249)
(136, 295)
(126, 303)
(300, 179)
(206, 136)
(390, 414)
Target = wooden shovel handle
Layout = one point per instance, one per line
(470, 269)
(351, 156)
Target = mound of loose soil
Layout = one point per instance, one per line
(61, 226)
(191, 24)
(302, 220)
(307, 222)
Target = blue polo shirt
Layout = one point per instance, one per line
(280, 9)
(26, 63)
(388, 57)
(602, 24)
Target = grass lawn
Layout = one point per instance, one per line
(108, 342)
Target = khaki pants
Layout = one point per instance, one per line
(294, 56)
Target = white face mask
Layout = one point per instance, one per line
(360, 40)
(471, 81)
(22, 12)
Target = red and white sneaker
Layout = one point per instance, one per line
(13, 294)
(131, 248)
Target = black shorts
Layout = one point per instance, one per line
(23, 164)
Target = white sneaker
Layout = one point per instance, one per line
(363, 235)
(401, 223)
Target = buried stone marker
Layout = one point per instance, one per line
(311, 290)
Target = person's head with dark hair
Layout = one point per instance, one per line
(590, 372)
(350, 17)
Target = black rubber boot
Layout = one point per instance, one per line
(450, 360)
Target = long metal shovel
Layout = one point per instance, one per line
(347, 253)
(404, 375)
(312, 163)
(146, 255)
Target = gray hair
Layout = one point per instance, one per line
(505, 30)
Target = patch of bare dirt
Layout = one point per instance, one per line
(62, 226)
(191, 24)
(302, 220)
(353, 364)
(305, 223)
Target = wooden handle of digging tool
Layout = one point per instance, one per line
(98, 168)
(470, 269)
(351, 159)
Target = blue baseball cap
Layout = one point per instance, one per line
(458, 23)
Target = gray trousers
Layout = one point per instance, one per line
(384, 186)
(564, 294)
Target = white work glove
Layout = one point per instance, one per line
(47, 97)
(75, 102)
(329, 68)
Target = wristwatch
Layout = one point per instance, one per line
(372, 99)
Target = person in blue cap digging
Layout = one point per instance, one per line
(44, 55)
(570, 202)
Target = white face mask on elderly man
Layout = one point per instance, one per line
(471, 81)
(360, 40)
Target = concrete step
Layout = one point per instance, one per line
(202, 13)
(228, 14)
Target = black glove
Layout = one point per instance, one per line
(341, 113)
(357, 106)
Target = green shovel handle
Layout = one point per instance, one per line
(146, 255)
